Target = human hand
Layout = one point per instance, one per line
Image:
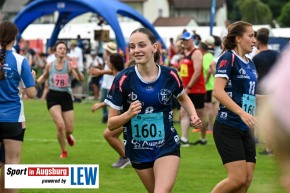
(134, 109)
(195, 121)
(33, 74)
(96, 106)
(249, 120)
(95, 72)
(73, 63)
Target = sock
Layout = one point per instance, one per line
(183, 139)
(203, 140)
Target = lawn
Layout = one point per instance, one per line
(200, 169)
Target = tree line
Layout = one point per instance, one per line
(273, 12)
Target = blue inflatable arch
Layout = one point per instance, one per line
(69, 9)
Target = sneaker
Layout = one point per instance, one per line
(199, 142)
(184, 143)
(195, 130)
(265, 152)
(63, 155)
(209, 131)
(71, 140)
(121, 163)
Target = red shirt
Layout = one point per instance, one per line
(186, 72)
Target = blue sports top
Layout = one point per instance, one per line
(241, 87)
(151, 133)
(17, 71)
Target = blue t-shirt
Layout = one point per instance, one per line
(151, 133)
(241, 87)
(17, 71)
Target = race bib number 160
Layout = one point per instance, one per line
(148, 127)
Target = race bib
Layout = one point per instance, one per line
(183, 70)
(60, 80)
(249, 104)
(148, 127)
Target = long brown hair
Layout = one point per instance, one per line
(8, 32)
(236, 29)
(152, 39)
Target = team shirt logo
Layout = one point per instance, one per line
(164, 96)
(121, 82)
(223, 63)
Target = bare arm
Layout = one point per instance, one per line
(116, 120)
(212, 67)
(187, 104)
(97, 72)
(73, 67)
(97, 106)
(45, 74)
(220, 94)
(79, 76)
(208, 74)
(31, 91)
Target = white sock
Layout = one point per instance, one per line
(183, 139)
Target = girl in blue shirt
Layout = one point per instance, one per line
(235, 88)
(15, 73)
(140, 100)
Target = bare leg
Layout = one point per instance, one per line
(184, 123)
(113, 139)
(165, 172)
(240, 174)
(147, 178)
(56, 114)
(12, 155)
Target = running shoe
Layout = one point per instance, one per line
(121, 163)
(201, 142)
(71, 140)
(184, 143)
(265, 152)
(63, 155)
(195, 130)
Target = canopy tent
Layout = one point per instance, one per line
(69, 9)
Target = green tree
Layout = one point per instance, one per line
(255, 12)
(275, 6)
(284, 18)
(233, 10)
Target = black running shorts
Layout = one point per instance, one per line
(234, 144)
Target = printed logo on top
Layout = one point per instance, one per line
(51, 176)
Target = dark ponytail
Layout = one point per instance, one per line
(236, 29)
(8, 32)
(2, 60)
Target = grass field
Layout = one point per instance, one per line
(200, 169)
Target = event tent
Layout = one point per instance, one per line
(69, 9)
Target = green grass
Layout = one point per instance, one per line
(200, 169)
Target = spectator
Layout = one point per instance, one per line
(192, 77)
(76, 55)
(264, 62)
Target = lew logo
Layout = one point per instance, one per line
(51, 176)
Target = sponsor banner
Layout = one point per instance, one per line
(51, 176)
